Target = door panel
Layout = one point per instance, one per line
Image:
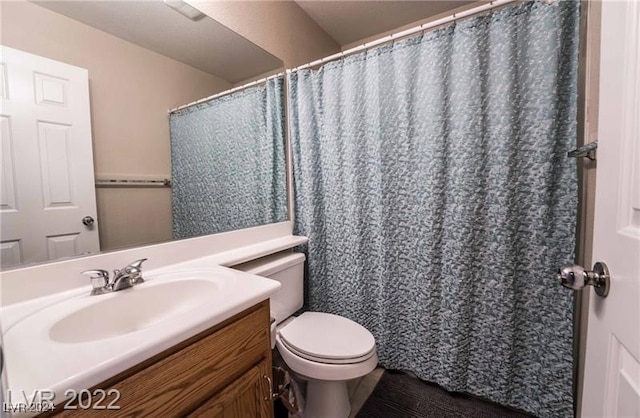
(624, 381)
(62, 246)
(55, 164)
(612, 363)
(11, 253)
(7, 188)
(47, 160)
(50, 90)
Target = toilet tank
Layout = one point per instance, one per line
(288, 269)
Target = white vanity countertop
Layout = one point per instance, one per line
(37, 358)
(246, 253)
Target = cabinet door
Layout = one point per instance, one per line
(248, 396)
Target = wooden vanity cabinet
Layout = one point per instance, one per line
(241, 398)
(218, 373)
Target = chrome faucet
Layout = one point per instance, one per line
(128, 276)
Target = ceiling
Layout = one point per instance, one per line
(204, 44)
(350, 21)
(212, 47)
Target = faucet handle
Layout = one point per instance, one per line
(137, 265)
(99, 278)
(134, 270)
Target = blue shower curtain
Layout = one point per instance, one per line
(431, 178)
(228, 162)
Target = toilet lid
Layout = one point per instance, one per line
(327, 336)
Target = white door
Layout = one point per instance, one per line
(612, 364)
(46, 180)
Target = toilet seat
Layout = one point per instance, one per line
(327, 338)
(327, 360)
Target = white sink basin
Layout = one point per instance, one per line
(132, 310)
(81, 340)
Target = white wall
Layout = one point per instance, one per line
(281, 28)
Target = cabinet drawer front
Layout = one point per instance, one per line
(177, 384)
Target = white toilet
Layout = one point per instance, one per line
(324, 349)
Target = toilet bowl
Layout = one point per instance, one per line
(326, 351)
(323, 349)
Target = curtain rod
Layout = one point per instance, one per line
(226, 92)
(425, 26)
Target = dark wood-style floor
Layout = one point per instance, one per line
(401, 395)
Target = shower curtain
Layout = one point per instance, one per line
(431, 178)
(228, 162)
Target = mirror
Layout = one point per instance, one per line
(142, 58)
(227, 162)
